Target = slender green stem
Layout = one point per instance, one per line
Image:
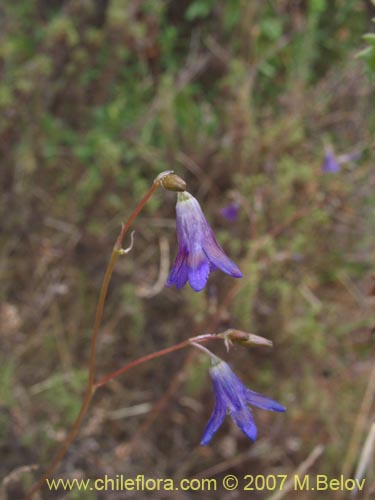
(157, 354)
(91, 386)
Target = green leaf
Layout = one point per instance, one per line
(369, 37)
(199, 9)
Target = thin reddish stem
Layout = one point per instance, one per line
(156, 354)
(65, 446)
(107, 279)
(91, 387)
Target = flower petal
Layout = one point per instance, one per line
(199, 269)
(228, 386)
(244, 420)
(213, 424)
(330, 164)
(220, 410)
(264, 402)
(179, 272)
(216, 255)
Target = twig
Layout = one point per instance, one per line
(154, 355)
(151, 291)
(90, 391)
(359, 425)
(301, 469)
(366, 458)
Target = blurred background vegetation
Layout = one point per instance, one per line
(241, 98)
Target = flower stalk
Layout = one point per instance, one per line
(91, 386)
(199, 253)
(158, 354)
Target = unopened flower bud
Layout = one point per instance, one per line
(170, 181)
(232, 336)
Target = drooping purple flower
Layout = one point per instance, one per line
(198, 251)
(330, 164)
(232, 397)
(230, 212)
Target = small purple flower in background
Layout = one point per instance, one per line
(330, 164)
(230, 212)
(232, 397)
(349, 157)
(198, 251)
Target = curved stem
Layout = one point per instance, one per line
(157, 354)
(65, 446)
(91, 387)
(91, 391)
(107, 279)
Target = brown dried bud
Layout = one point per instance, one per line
(232, 336)
(170, 181)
